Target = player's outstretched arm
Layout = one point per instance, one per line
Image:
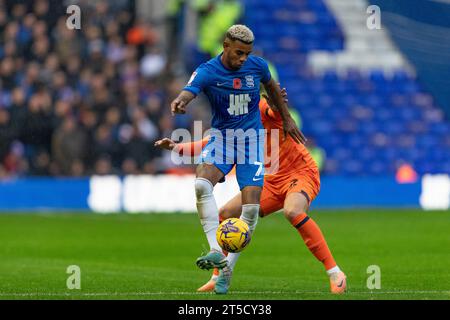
(179, 104)
(275, 95)
(184, 149)
(166, 144)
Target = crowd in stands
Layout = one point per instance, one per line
(81, 102)
(77, 102)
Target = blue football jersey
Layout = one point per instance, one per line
(233, 95)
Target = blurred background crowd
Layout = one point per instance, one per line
(94, 100)
(81, 102)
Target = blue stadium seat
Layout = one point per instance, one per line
(366, 122)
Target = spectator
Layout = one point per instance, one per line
(6, 134)
(18, 110)
(37, 129)
(77, 102)
(104, 143)
(103, 166)
(40, 165)
(153, 63)
(68, 145)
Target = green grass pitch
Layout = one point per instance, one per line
(125, 256)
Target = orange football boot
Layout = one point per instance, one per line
(209, 286)
(338, 283)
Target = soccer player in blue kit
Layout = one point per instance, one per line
(231, 83)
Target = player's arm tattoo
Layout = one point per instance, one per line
(179, 104)
(186, 96)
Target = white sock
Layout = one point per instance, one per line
(250, 214)
(333, 270)
(232, 259)
(207, 211)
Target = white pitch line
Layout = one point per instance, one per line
(210, 293)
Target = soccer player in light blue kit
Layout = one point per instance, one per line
(231, 83)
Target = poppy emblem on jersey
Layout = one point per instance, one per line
(249, 81)
(237, 84)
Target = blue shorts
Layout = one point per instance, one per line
(246, 151)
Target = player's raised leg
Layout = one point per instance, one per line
(232, 209)
(250, 176)
(207, 177)
(250, 206)
(250, 212)
(295, 207)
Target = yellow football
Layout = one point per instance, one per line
(233, 235)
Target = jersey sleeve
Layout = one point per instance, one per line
(198, 81)
(191, 148)
(266, 111)
(265, 72)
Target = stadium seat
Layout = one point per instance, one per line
(360, 106)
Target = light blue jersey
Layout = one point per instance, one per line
(234, 98)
